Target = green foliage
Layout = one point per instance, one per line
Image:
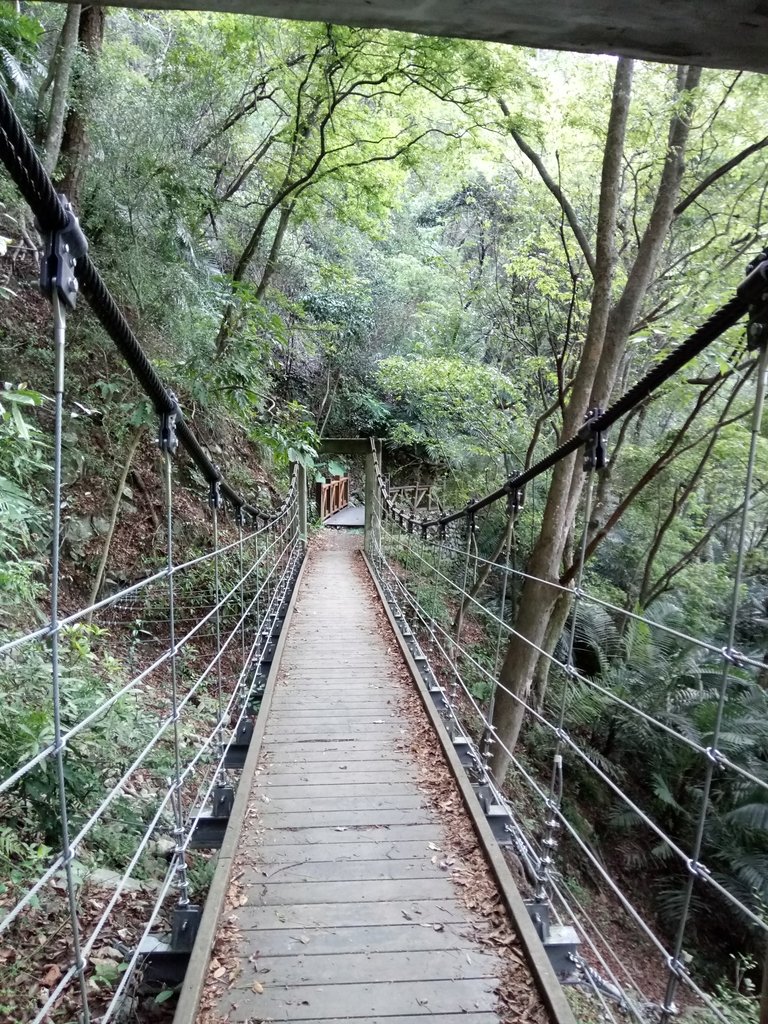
(22, 445)
(102, 751)
(20, 38)
(446, 407)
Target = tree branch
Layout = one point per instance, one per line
(554, 188)
(718, 173)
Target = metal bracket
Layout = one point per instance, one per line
(757, 324)
(168, 440)
(594, 451)
(186, 921)
(515, 496)
(214, 492)
(63, 249)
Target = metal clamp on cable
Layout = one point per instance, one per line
(168, 440)
(63, 249)
(594, 451)
(515, 496)
(214, 490)
(755, 289)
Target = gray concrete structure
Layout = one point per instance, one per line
(719, 33)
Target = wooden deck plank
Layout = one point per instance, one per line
(349, 915)
(344, 853)
(316, 968)
(398, 938)
(288, 894)
(341, 787)
(344, 912)
(333, 774)
(362, 1001)
(346, 868)
(344, 819)
(452, 1018)
(423, 833)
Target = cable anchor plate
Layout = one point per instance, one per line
(63, 248)
(168, 440)
(594, 450)
(757, 279)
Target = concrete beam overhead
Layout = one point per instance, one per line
(716, 33)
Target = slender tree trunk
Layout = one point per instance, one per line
(607, 333)
(63, 58)
(484, 572)
(555, 627)
(75, 144)
(538, 596)
(274, 252)
(113, 518)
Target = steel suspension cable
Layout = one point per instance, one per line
(59, 746)
(179, 855)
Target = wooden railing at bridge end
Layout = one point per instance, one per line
(332, 496)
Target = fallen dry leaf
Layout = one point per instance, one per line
(51, 976)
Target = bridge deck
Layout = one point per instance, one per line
(352, 515)
(339, 908)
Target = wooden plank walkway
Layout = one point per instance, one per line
(341, 908)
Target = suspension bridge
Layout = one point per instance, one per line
(308, 748)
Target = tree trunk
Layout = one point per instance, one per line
(75, 144)
(113, 518)
(555, 627)
(607, 333)
(274, 252)
(63, 59)
(484, 572)
(538, 596)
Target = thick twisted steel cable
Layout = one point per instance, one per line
(750, 290)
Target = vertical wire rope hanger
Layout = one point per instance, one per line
(757, 337)
(186, 915)
(63, 249)
(594, 461)
(470, 526)
(239, 523)
(214, 500)
(513, 508)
